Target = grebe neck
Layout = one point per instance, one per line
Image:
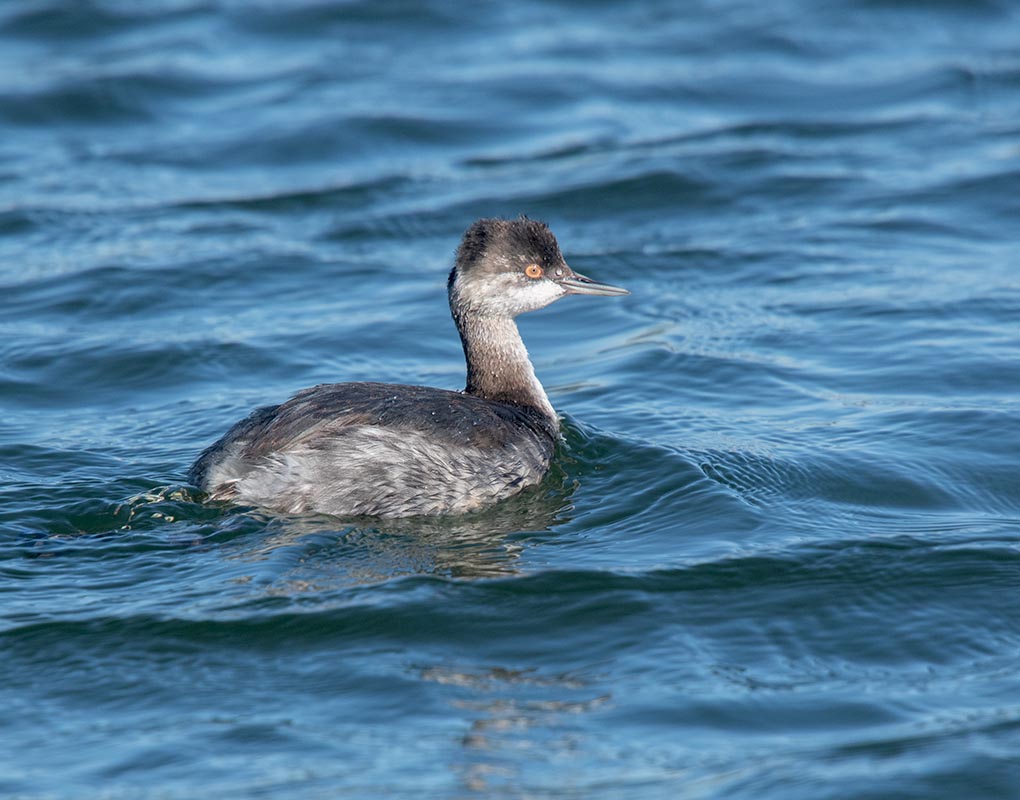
(498, 367)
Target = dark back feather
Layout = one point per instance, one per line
(323, 411)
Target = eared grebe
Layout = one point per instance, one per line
(352, 449)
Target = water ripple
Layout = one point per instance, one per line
(777, 552)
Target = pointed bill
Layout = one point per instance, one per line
(581, 284)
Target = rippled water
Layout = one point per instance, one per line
(779, 552)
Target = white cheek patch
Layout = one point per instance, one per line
(509, 296)
(537, 294)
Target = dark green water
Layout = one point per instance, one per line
(779, 553)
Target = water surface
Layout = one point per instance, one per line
(779, 552)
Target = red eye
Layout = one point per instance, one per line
(533, 271)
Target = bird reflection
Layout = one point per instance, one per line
(321, 552)
(509, 712)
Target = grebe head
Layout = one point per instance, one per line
(507, 267)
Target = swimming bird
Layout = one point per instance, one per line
(378, 449)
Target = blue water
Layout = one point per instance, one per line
(778, 555)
